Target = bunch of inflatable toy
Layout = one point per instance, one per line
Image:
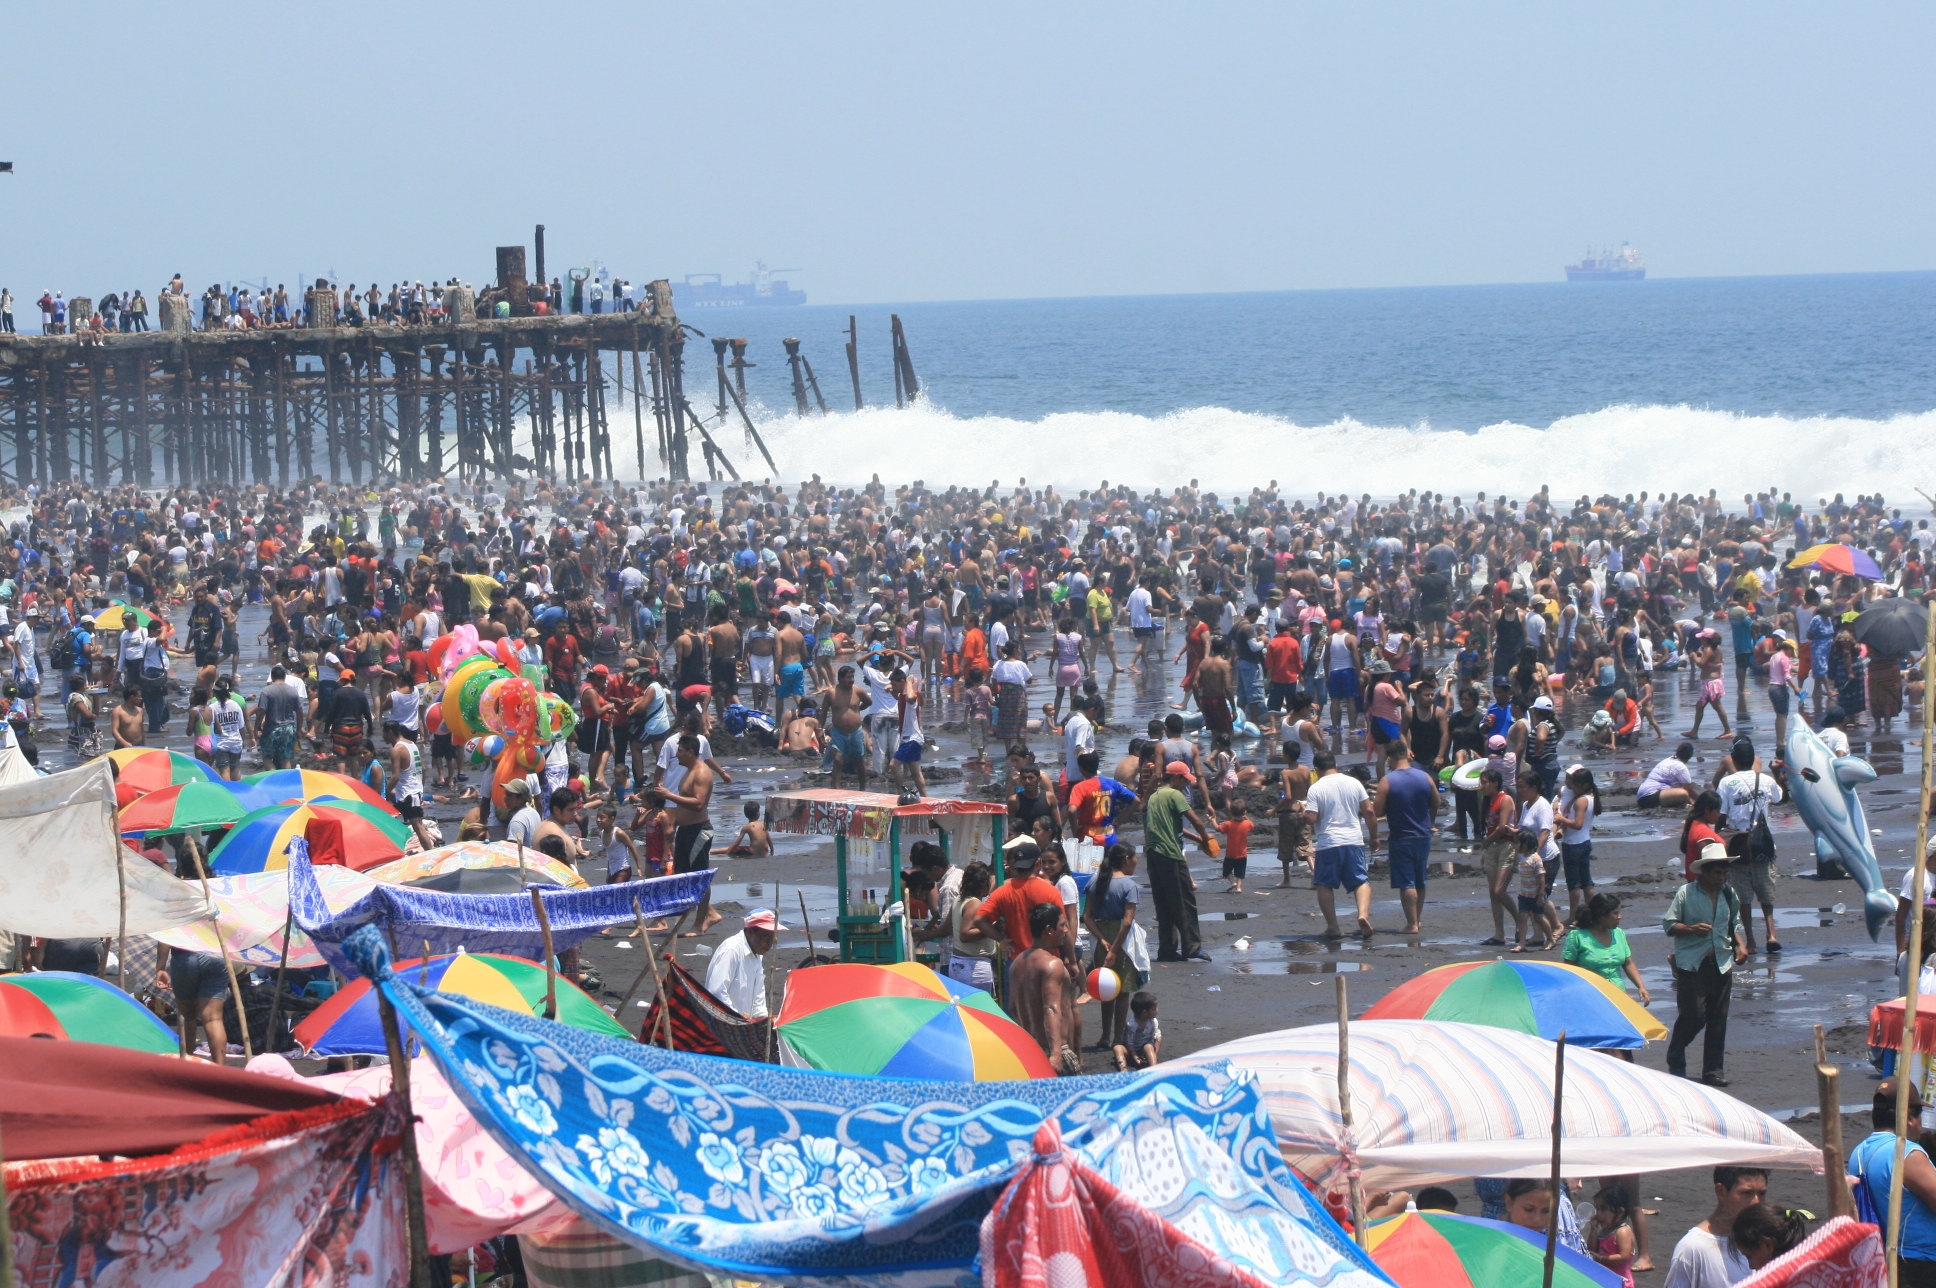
(494, 706)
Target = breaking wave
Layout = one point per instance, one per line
(1619, 450)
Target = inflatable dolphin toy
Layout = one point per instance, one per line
(1823, 786)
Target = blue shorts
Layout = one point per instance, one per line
(849, 744)
(793, 680)
(1387, 730)
(1778, 698)
(1409, 860)
(1342, 866)
(909, 752)
(1344, 686)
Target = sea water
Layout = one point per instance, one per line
(1804, 384)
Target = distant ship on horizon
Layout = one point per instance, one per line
(711, 291)
(1623, 265)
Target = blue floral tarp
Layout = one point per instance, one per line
(828, 1179)
(480, 923)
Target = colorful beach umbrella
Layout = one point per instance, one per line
(259, 842)
(1529, 996)
(1445, 1250)
(277, 785)
(1433, 1102)
(468, 856)
(903, 1021)
(150, 769)
(191, 807)
(119, 617)
(1833, 556)
(80, 1008)
(350, 1023)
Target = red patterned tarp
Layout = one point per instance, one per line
(308, 1199)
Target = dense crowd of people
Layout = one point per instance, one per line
(1414, 663)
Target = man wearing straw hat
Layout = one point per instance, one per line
(1704, 923)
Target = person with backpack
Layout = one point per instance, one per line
(72, 657)
(1745, 796)
(1704, 924)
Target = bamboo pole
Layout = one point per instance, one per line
(1834, 1168)
(1559, 1186)
(1344, 1114)
(416, 1228)
(282, 971)
(551, 959)
(228, 964)
(1918, 891)
(121, 947)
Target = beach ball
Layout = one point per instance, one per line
(1103, 984)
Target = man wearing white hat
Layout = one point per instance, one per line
(737, 975)
(1704, 924)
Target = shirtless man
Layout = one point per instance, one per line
(761, 670)
(845, 706)
(1041, 992)
(130, 725)
(1216, 688)
(791, 648)
(801, 734)
(723, 638)
(1295, 843)
(692, 835)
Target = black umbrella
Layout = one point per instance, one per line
(1893, 627)
(480, 881)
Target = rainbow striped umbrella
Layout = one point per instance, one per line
(903, 1021)
(152, 768)
(120, 617)
(61, 1004)
(190, 807)
(1529, 996)
(259, 842)
(1433, 1101)
(350, 1022)
(313, 785)
(1444, 1250)
(1833, 556)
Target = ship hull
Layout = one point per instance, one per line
(1574, 274)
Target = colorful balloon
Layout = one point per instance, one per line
(1103, 984)
(456, 717)
(463, 646)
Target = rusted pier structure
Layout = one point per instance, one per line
(468, 394)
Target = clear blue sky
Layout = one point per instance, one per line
(914, 151)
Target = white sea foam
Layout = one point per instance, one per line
(1619, 450)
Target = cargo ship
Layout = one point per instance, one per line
(711, 291)
(1623, 265)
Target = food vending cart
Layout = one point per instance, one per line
(869, 831)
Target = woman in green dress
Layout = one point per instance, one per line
(1597, 943)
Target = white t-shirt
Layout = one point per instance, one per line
(737, 976)
(1078, 736)
(1738, 797)
(1671, 772)
(1538, 817)
(1139, 609)
(1703, 1261)
(1336, 798)
(1834, 739)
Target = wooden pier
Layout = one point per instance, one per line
(469, 395)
